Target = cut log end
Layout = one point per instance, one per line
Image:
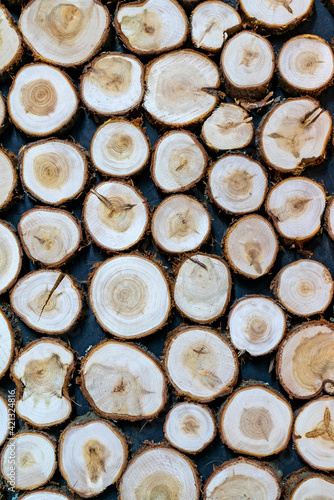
(329, 218)
(296, 207)
(180, 224)
(5, 425)
(65, 34)
(308, 484)
(211, 23)
(11, 49)
(189, 427)
(306, 65)
(113, 84)
(178, 162)
(129, 296)
(295, 134)
(152, 474)
(152, 26)
(229, 127)
(122, 381)
(3, 114)
(249, 478)
(256, 421)
(34, 461)
(7, 343)
(200, 363)
(49, 235)
(313, 433)
(238, 184)
(10, 257)
(256, 325)
(51, 493)
(181, 88)
(248, 65)
(115, 215)
(202, 287)
(304, 287)
(8, 178)
(120, 148)
(53, 171)
(47, 301)
(304, 360)
(42, 100)
(41, 372)
(92, 456)
(251, 246)
(276, 16)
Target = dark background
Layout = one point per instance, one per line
(89, 333)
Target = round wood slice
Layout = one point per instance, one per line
(112, 84)
(66, 34)
(42, 371)
(160, 472)
(48, 301)
(42, 100)
(129, 295)
(257, 421)
(245, 478)
(200, 363)
(53, 171)
(122, 381)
